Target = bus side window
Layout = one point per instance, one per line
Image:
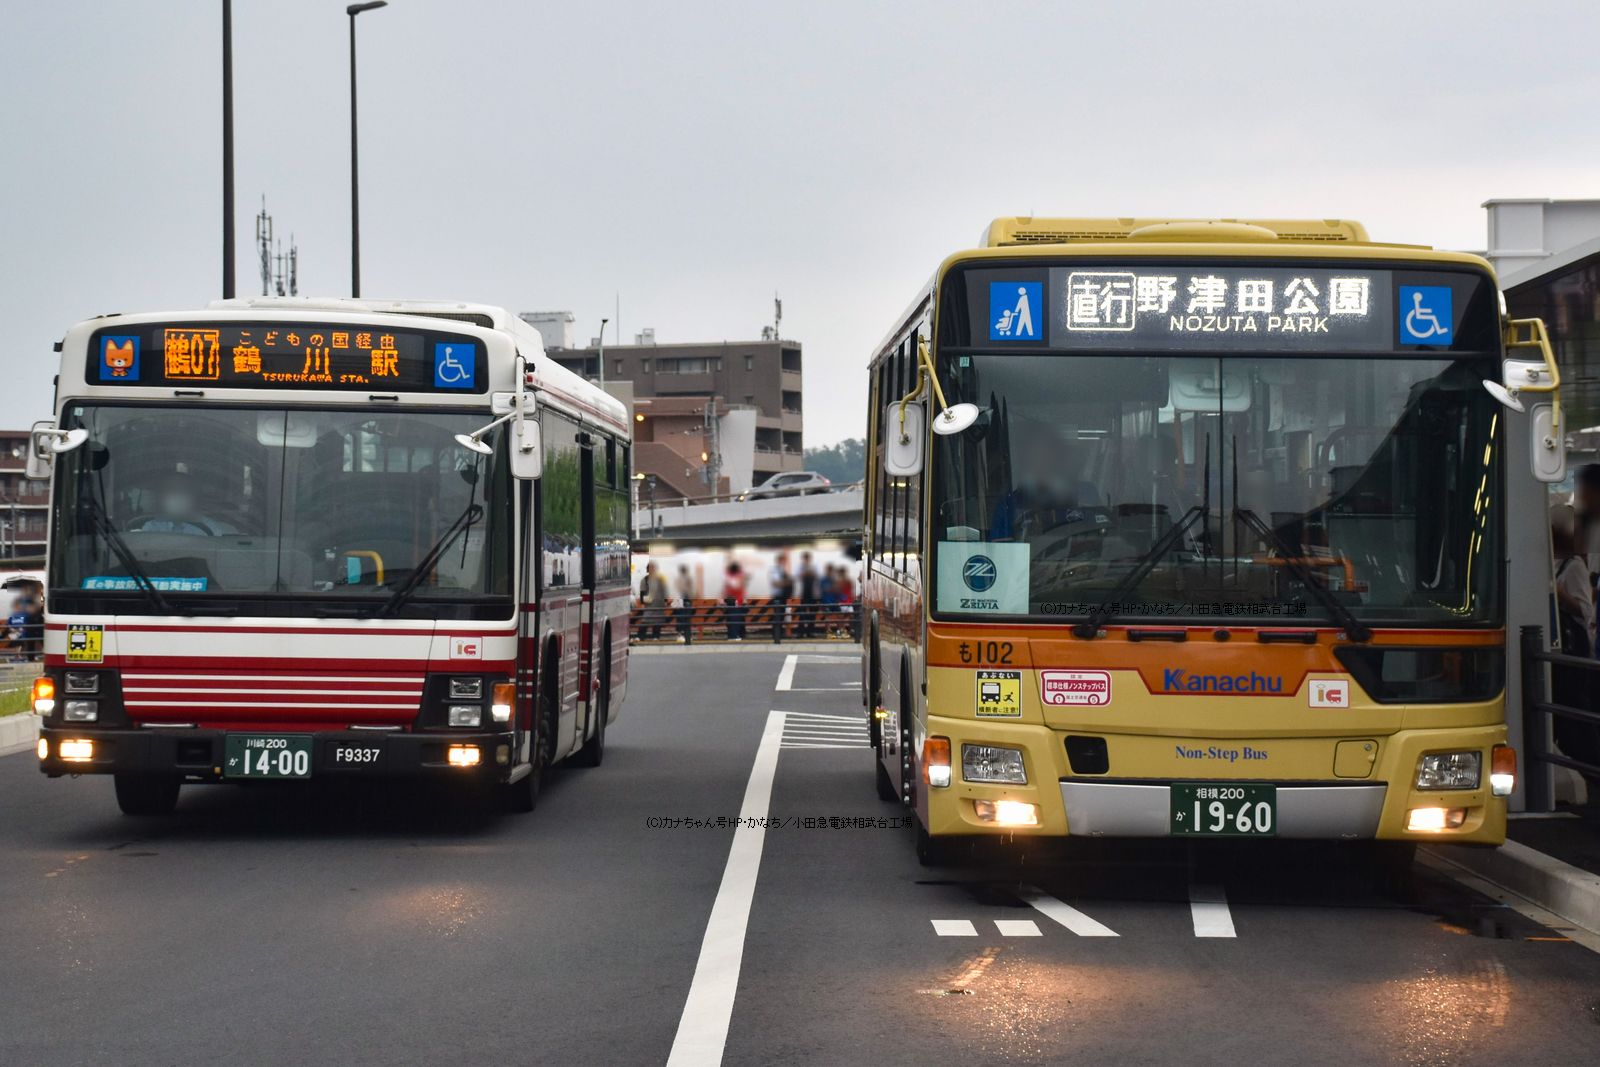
(880, 527)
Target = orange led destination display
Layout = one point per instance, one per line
(279, 355)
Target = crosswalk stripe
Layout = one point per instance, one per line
(1065, 914)
(954, 928)
(1017, 928)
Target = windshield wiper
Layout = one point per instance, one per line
(425, 566)
(1354, 628)
(1090, 627)
(130, 563)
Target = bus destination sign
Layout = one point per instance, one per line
(286, 355)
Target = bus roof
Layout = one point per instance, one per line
(560, 386)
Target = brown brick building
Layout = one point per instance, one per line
(24, 504)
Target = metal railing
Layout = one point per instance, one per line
(1574, 678)
(761, 620)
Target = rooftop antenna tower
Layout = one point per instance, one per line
(264, 245)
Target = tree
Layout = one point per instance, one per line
(842, 463)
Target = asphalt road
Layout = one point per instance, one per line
(372, 925)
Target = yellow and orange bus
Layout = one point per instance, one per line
(1192, 529)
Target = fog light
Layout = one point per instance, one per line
(43, 748)
(44, 695)
(76, 750)
(465, 715)
(464, 755)
(83, 682)
(993, 763)
(936, 762)
(80, 710)
(1503, 771)
(466, 689)
(1007, 812)
(504, 701)
(1450, 770)
(1433, 820)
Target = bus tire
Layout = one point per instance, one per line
(146, 794)
(886, 789)
(593, 751)
(522, 796)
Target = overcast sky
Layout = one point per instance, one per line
(697, 157)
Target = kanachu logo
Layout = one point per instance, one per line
(979, 572)
(1178, 680)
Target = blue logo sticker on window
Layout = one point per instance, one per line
(1426, 315)
(979, 572)
(1016, 310)
(119, 358)
(455, 365)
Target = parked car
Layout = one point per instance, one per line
(791, 483)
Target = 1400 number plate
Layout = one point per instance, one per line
(1224, 809)
(267, 756)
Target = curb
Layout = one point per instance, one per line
(18, 733)
(1568, 891)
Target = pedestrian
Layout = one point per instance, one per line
(733, 600)
(653, 599)
(781, 586)
(1573, 687)
(810, 587)
(1586, 501)
(685, 604)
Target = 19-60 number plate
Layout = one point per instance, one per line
(1224, 809)
(267, 756)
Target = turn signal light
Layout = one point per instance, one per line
(1503, 771)
(44, 695)
(458, 755)
(936, 762)
(505, 701)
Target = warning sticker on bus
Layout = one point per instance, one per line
(1060, 689)
(85, 644)
(999, 694)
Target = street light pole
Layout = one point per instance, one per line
(355, 188)
(603, 352)
(227, 149)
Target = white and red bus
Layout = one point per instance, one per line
(303, 538)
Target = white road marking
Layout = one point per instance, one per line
(703, 1027)
(1208, 904)
(1065, 914)
(786, 676)
(795, 716)
(1017, 928)
(954, 928)
(798, 744)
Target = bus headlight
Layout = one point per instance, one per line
(1434, 820)
(463, 755)
(1450, 770)
(80, 710)
(83, 682)
(993, 763)
(75, 750)
(466, 689)
(1007, 812)
(466, 715)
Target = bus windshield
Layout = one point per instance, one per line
(253, 504)
(1208, 487)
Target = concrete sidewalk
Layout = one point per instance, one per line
(18, 732)
(1562, 875)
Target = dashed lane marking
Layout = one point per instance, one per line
(954, 928)
(1017, 928)
(1208, 906)
(786, 675)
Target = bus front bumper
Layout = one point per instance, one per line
(201, 754)
(1135, 797)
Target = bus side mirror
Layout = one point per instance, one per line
(527, 453)
(1547, 453)
(45, 442)
(903, 442)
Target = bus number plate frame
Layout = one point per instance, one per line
(1224, 809)
(264, 756)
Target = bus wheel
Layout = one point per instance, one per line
(522, 796)
(594, 749)
(886, 789)
(147, 794)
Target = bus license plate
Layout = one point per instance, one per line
(267, 756)
(1224, 809)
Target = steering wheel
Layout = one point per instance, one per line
(1047, 541)
(136, 524)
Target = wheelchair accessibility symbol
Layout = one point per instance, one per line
(1425, 314)
(455, 366)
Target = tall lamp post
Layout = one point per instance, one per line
(355, 188)
(227, 149)
(603, 352)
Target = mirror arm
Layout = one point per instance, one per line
(1537, 338)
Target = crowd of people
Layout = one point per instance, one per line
(810, 601)
(1575, 541)
(24, 636)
